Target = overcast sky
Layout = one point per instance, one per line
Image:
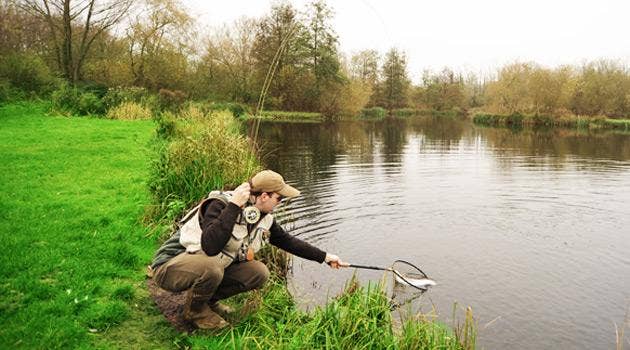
(476, 36)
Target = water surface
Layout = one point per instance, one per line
(529, 228)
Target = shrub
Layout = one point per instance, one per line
(116, 96)
(72, 100)
(89, 103)
(171, 100)
(237, 109)
(8, 93)
(541, 120)
(405, 112)
(98, 89)
(166, 126)
(66, 99)
(515, 119)
(373, 113)
(28, 72)
(129, 111)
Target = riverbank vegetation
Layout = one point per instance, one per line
(519, 120)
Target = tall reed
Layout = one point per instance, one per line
(359, 318)
(197, 152)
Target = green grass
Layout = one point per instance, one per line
(359, 318)
(72, 193)
(72, 190)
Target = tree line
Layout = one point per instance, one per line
(285, 60)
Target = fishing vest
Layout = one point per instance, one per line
(240, 239)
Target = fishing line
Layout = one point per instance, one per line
(265, 88)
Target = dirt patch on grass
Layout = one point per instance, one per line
(171, 305)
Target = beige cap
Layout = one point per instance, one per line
(270, 181)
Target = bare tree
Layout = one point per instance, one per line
(162, 25)
(74, 25)
(231, 50)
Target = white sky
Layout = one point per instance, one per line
(477, 36)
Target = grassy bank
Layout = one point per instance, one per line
(72, 193)
(287, 116)
(520, 120)
(73, 190)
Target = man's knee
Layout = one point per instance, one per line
(189, 270)
(211, 272)
(260, 274)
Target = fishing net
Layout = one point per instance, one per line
(408, 274)
(410, 283)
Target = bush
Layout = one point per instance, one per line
(405, 112)
(166, 126)
(116, 96)
(129, 111)
(89, 103)
(171, 100)
(373, 113)
(8, 93)
(237, 109)
(515, 119)
(74, 101)
(66, 99)
(28, 72)
(98, 89)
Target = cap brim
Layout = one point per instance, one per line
(288, 191)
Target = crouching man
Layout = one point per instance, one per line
(211, 256)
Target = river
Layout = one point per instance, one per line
(530, 228)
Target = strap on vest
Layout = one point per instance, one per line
(220, 195)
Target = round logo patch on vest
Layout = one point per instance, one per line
(251, 214)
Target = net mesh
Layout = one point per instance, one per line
(408, 274)
(408, 283)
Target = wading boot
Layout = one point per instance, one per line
(221, 309)
(197, 311)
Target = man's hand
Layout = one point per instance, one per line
(241, 194)
(334, 261)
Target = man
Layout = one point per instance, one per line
(211, 255)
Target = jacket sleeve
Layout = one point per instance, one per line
(281, 239)
(217, 222)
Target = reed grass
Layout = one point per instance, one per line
(359, 318)
(373, 113)
(289, 116)
(579, 122)
(129, 111)
(198, 152)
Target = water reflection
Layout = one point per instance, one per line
(527, 226)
